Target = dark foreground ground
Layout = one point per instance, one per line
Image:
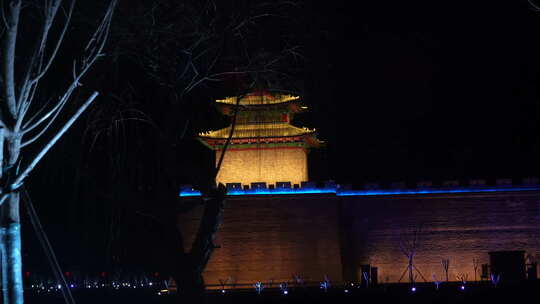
(425, 293)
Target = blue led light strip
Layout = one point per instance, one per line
(339, 192)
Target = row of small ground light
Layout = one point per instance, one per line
(47, 286)
(325, 286)
(163, 287)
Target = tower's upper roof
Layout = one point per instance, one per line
(259, 98)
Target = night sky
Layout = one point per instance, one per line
(426, 90)
(423, 90)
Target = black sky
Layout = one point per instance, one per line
(425, 90)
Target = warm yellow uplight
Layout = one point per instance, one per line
(259, 130)
(259, 99)
(263, 165)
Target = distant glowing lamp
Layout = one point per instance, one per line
(413, 289)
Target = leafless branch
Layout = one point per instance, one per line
(95, 48)
(534, 5)
(21, 176)
(8, 56)
(35, 65)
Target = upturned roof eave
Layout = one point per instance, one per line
(244, 101)
(258, 107)
(314, 143)
(252, 137)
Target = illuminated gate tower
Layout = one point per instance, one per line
(265, 147)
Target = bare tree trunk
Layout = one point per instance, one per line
(192, 265)
(3, 258)
(11, 229)
(3, 255)
(13, 292)
(186, 266)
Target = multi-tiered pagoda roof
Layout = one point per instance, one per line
(262, 118)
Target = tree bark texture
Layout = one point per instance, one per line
(12, 263)
(10, 229)
(10, 232)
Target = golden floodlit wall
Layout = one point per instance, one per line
(265, 238)
(270, 165)
(272, 239)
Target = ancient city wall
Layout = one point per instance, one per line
(263, 239)
(273, 237)
(457, 227)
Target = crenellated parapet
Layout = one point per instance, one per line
(373, 189)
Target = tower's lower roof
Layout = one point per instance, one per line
(260, 130)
